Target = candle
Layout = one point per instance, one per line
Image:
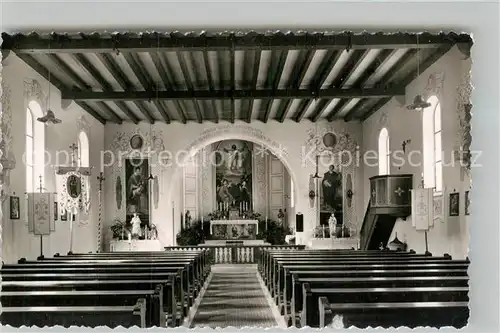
(129, 237)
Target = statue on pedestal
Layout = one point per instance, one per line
(136, 226)
(332, 225)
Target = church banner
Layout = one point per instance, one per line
(422, 208)
(41, 213)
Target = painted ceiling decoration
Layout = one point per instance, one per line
(229, 76)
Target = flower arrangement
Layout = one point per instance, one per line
(120, 229)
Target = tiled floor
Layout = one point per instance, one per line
(234, 298)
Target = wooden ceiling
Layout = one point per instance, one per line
(198, 77)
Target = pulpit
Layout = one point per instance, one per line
(391, 194)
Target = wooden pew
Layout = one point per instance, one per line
(154, 316)
(169, 301)
(395, 314)
(344, 272)
(189, 280)
(66, 316)
(323, 284)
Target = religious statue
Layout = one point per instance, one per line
(331, 184)
(137, 192)
(281, 216)
(187, 218)
(136, 226)
(332, 225)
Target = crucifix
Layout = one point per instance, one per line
(101, 179)
(73, 148)
(41, 189)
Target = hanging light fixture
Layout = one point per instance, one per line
(419, 104)
(49, 118)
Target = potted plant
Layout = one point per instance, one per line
(120, 230)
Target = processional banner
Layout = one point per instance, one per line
(41, 213)
(422, 208)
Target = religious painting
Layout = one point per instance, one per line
(454, 204)
(136, 142)
(330, 185)
(64, 216)
(137, 188)
(74, 186)
(467, 202)
(15, 213)
(233, 172)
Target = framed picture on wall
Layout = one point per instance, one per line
(56, 211)
(14, 208)
(454, 204)
(64, 216)
(467, 202)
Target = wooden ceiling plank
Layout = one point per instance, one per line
(274, 77)
(138, 69)
(189, 84)
(435, 56)
(255, 75)
(208, 72)
(298, 75)
(384, 80)
(115, 71)
(44, 72)
(302, 109)
(232, 71)
(381, 58)
(147, 42)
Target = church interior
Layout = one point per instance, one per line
(235, 179)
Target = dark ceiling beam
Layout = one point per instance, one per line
(321, 74)
(189, 84)
(384, 80)
(273, 79)
(232, 71)
(269, 94)
(210, 81)
(435, 56)
(115, 71)
(354, 60)
(255, 75)
(162, 109)
(82, 85)
(137, 67)
(163, 69)
(44, 72)
(381, 58)
(300, 69)
(148, 42)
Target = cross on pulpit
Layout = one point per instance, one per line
(101, 179)
(73, 148)
(399, 191)
(40, 187)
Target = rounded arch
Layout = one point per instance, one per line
(432, 145)
(83, 149)
(235, 134)
(384, 152)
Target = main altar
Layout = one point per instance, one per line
(239, 229)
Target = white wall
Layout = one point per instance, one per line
(449, 234)
(17, 242)
(289, 136)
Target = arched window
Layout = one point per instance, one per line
(384, 153)
(35, 148)
(83, 150)
(432, 144)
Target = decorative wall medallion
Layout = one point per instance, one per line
(382, 122)
(118, 192)
(434, 85)
(136, 142)
(329, 140)
(33, 91)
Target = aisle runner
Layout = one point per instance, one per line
(234, 298)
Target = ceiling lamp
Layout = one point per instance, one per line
(49, 118)
(419, 104)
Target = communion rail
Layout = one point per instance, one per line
(234, 253)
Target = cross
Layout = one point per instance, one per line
(100, 178)
(399, 191)
(73, 147)
(41, 188)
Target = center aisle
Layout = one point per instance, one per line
(234, 297)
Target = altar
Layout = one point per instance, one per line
(234, 229)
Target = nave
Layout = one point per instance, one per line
(287, 287)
